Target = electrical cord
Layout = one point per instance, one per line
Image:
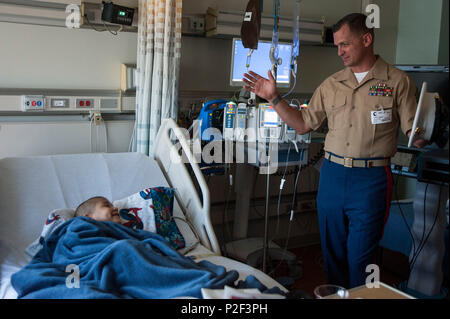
(290, 220)
(292, 102)
(106, 136)
(280, 192)
(424, 224)
(293, 203)
(311, 162)
(420, 248)
(115, 32)
(90, 132)
(92, 118)
(104, 24)
(225, 225)
(403, 216)
(130, 146)
(293, 86)
(253, 196)
(90, 24)
(96, 136)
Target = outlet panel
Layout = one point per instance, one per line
(32, 103)
(78, 103)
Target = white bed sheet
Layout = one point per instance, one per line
(13, 261)
(244, 270)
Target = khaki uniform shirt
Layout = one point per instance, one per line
(347, 106)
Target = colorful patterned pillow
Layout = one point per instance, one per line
(165, 224)
(152, 209)
(136, 212)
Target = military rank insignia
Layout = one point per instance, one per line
(381, 89)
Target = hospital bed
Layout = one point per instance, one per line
(32, 187)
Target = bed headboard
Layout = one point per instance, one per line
(173, 153)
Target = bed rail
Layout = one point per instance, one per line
(173, 153)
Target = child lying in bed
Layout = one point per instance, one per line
(108, 261)
(98, 208)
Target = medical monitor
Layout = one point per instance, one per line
(260, 62)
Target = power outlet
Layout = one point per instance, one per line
(84, 103)
(197, 24)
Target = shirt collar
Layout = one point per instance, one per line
(378, 71)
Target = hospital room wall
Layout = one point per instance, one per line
(61, 136)
(56, 58)
(33, 56)
(423, 32)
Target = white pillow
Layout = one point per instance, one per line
(55, 219)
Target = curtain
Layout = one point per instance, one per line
(158, 64)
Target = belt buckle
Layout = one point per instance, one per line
(348, 162)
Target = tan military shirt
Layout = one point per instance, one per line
(347, 106)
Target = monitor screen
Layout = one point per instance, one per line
(270, 118)
(260, 62)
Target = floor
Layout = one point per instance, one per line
(393, 269)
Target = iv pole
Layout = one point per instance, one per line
(275, 62)
(266, 213)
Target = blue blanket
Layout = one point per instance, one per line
(114, 261)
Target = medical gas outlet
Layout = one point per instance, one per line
(33, 103)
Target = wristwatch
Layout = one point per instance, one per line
(276, 100)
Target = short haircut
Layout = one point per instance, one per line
(87, 207)
(356, 22)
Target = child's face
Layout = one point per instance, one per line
(105, 211)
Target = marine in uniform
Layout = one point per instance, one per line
(364, 104)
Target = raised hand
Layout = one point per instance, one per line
(262, 87)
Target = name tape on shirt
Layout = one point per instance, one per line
(381, 117)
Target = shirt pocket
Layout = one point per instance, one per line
(336, 111)
(378, 103)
